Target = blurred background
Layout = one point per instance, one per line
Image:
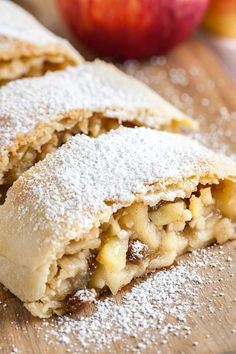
(139, 29)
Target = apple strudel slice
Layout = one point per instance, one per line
(27, 48)
(99, 212)
(39, 114)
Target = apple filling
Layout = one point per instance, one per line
(143, 238)
(137, 240)
(48, 140)
(28, 67)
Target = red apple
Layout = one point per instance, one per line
(132, 28)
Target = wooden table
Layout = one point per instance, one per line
(193, 79)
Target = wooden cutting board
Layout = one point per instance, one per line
(192, 78)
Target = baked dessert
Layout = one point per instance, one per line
(27, 48)
(39, 114)
(99, 212)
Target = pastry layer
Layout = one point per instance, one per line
(100, 212)
(27, 48)
(37, 115)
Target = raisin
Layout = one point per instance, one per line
(80, 299)
(137, 251)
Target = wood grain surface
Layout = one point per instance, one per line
(193, 79)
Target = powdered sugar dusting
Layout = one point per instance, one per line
(16, 23)
(70, 189)
(91, 88)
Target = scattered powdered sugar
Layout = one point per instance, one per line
(159, 306)
(217, 122)
(220, 134)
